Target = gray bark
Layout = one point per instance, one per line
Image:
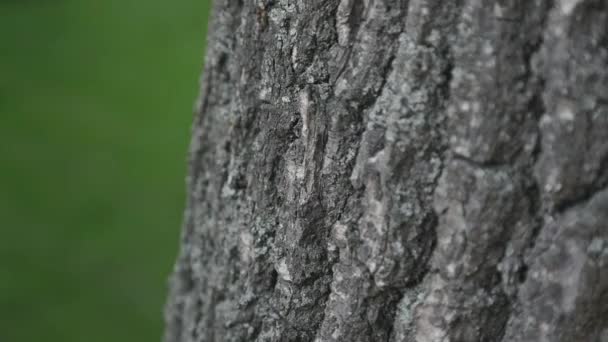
(393, 170)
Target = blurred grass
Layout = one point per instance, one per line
(95, 109)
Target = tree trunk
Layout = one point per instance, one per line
(393, 170)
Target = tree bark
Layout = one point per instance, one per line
(393, 170)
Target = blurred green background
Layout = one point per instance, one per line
(95, 110)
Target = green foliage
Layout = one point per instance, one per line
(95, 110)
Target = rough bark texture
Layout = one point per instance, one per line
(393, 170)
